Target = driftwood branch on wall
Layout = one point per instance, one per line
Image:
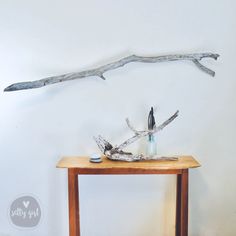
(99, 71)
(116, 153)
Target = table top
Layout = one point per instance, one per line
(84, 166)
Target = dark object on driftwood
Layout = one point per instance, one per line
(99, 72)
(116, 153)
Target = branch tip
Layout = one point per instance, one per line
(102, 77)
(8, 89)
(216, 56)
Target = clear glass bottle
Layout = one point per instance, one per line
(151, 145)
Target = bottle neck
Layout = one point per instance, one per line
(151, 138)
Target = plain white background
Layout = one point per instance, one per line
(44, 38)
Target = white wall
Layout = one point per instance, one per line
(44, 38)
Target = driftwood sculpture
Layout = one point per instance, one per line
(116, 153)
(99, 71)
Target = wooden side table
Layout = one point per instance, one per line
(81, 166)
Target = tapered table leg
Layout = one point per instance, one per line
(182, 204)
(73, 188)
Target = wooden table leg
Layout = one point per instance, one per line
(73, 189)
(182, 204)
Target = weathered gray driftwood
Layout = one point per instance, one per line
(117, 154)
(99, 71)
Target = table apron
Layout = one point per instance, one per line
(122, 171)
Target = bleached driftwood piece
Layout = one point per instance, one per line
(117, 154)
(99, 71)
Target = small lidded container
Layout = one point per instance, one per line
(95, 158)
